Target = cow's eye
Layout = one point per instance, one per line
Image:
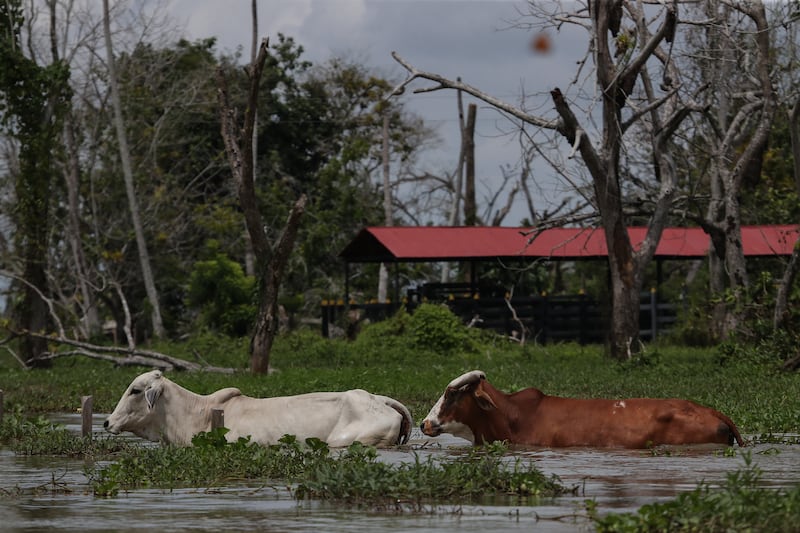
(135, 391)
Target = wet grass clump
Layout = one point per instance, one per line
(210, 462)
(39, 436)
(484, 474)
(740, 504)
(311, 470)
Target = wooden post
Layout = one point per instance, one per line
(1, 405)
(86, 416)
(653, 314)
(217, 418)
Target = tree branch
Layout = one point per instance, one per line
(131, 356)
(445, 83)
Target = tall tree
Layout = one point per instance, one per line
(127, 172)
(271, 261)
(88, 320)
(33, 99)
(736, 58)
(787, 49)
(628, 53)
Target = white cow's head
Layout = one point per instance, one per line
(135, 411)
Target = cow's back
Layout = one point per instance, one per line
(338, 418)
(628, 423)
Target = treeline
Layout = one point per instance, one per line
(69, 248)
(76, 264)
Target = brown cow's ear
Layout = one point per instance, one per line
(485, 402)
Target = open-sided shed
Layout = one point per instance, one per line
(548, 317)
(436, 243)
(480, 243)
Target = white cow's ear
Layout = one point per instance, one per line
(151, 395)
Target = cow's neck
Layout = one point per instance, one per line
(184, 414)
(506, 421)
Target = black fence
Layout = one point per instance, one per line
(543, 318)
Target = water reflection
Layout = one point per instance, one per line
(53, 493)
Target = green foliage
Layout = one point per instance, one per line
(741, 504)
(210, 461)
(436, 328)
(358, 478)
(33, 101)
(224, 295)
(763, 345)
(353, 475)
(39, 436)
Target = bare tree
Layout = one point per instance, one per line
(271, 262)
(736, 59)
(790, 95)
(141, 242)
(89, 318)
(624, 48)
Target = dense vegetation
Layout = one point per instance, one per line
(412, 358)
(67, 249)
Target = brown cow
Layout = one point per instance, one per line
(473, 409)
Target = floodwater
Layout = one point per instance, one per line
(617, 480)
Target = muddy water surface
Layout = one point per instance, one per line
(617, 480)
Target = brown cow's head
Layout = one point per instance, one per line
(459, 408)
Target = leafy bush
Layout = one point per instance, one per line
(224, 295)
(304, 348)
(771, 348)
(436, 328)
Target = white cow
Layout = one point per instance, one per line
(155, 408)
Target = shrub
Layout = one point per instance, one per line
(436, 328)
(223, 294)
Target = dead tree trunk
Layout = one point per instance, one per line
(270, 263)
(470, 207)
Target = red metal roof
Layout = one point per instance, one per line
(437, 243)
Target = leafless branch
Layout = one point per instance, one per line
(522, 329)
(121, 355)
(127, 326)
(445, 83)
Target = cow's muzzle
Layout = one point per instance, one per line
(431, 428)
(111, 429)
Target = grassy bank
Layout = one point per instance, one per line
(754, 393)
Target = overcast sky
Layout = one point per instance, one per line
(466, 38)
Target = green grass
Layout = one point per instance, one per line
(758, 397)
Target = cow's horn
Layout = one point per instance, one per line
(467, 379)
